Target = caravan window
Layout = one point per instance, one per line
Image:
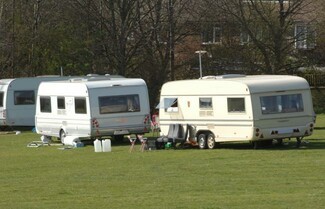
(80, 105)
(236, 105)
(282, 104)
(205, 103)
(24, 97)
(170, 104)
(1, 99)
(119, 104)
(61, 103)
(45, 103)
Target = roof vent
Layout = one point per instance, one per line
(92, 74)
(224, 76)
(77, 80)
(99, 78)
(233, 76)
(210, 77)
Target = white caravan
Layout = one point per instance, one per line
(82, 108)
(18, 98)
(233, 108)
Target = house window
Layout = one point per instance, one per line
(61, 103)
(24, 97)
(305, 36)
(205, 103)
(80, 105)
(45, 103)
(211, 35)
(119, 104)
(244, 38)
(1, 99)
(282, 104)
(236, 105)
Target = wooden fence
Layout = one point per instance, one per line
(315, 80)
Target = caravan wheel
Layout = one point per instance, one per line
(211, 143)
(62, 136)
(202, 141)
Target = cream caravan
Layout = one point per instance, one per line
(239, 108)
(87, 109)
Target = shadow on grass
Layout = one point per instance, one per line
(319, 128)
(307, 144)
(316, 144)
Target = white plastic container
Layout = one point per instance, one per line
(98, 145)
(107, 145)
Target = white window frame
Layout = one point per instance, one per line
(213, 34)
(306, 37)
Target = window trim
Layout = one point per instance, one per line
(84, 108)
(43, 108)
(132, 104)
(208, 107)
(282, 105)
(236, 111)
(24, 91)
(58, 103)
(2, 95)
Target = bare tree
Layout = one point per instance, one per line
(117, 23)
(268, 28)
(165, 45)
(5, 39)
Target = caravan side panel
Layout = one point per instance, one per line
(242, 108)
(18, 103)
(113, 107)
(120, 110)
(283, 114)
(227, 125)
(63, 107)
(3, 101)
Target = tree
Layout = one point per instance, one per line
(267, 27)
(165, 46)
(5, 39)
(115, 27)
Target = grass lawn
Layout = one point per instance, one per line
(233, 176)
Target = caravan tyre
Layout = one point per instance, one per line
(62, 136)
(211, 143)
(202, 141)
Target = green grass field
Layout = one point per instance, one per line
(233, 176)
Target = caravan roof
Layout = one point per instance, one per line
(236, 84)
(5, 81)
(82, 85)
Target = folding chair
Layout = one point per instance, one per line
(142, 140)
